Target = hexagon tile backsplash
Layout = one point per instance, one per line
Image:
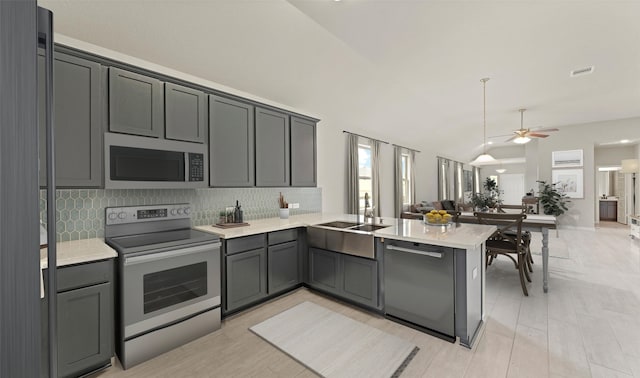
(81, 211)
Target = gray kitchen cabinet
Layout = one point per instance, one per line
(85, 319)
(246, 279)
(609, 210)
(350, 277)
(324, 270)
(303, 152)
(185, 113)
(272, 148)
(283, 270)
(77, 106)
(231, 143)
(360, 280)
(136, 104)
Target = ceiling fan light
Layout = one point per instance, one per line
(501, 170)
(522, 140)
(483, 159)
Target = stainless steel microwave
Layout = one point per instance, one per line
(134, 162)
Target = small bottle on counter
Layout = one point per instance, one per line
(238, 213)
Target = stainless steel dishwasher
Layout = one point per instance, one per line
(419, 285)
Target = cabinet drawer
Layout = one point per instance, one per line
(245, 244)
(283, 236)
(83, 275)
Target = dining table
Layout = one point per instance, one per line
(534, 223)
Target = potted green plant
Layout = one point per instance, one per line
(553, 201)
(489, 199)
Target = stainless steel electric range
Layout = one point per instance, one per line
(168, 280)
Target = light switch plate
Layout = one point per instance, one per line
(474, 273)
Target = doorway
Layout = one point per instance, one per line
(512, 187)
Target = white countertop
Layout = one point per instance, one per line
(79, 251)
(463, 236)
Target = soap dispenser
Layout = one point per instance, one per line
(238, 213)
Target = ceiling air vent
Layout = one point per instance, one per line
(581, 71)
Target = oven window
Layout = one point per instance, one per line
(170, 287)
(140, 164)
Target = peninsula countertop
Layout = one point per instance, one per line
(464, 236)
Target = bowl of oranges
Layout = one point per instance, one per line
(437, 217)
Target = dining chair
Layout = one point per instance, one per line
(507, 241)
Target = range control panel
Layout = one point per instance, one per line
(135, 214)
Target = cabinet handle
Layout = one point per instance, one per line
(415, 251)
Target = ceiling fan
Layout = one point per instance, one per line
(523, 135)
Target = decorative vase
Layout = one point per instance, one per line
(284, 213)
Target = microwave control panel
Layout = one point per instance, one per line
(196, 167)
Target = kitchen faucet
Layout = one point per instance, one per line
(368, 213)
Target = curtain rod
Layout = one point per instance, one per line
(406, 148)
(349, 132)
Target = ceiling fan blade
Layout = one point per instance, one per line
(546, 130)
(512, 138)
(536, 135)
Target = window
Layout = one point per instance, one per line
(406, 178)
(364, 174)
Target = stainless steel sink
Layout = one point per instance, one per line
(369, 227)
(340, 224)
(346, 237)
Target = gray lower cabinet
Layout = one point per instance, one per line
(77, 106)
(231, 143)
(85, 319)
(346, 276)
(136, 104)
(303, 152)
(283, 270)
(185, 113)
(272, 148)
(246, 279)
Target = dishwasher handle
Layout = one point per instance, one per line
(415, 251)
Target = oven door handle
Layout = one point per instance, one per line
(133, 260)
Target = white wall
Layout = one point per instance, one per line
(582, 212)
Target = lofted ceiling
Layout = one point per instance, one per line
(405, 71)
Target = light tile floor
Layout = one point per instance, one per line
(586, 326)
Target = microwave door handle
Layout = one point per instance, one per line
(186, 167)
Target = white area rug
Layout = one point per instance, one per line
(333, 345)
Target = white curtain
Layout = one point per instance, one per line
(352, 175)
(397, 187)
(444, 186)
(412, 174)
(375, 176)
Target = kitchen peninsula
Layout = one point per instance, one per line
(375, 281)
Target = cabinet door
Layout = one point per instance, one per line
(231, 143)
(283, 266)
(272, 148)
(324, 270)
(135, 104)
(84, 329)
(360, 280)
(246, 278)
(185, 113)
(78, 131)
(303, 152)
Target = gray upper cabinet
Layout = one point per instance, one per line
(231, 143)
(78, 92)
(185, 113)
(303, 152)
(272, 148)
(135, 104)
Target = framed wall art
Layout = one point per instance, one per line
(566, 159)
(569, 181)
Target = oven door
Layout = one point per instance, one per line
(162, 288)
